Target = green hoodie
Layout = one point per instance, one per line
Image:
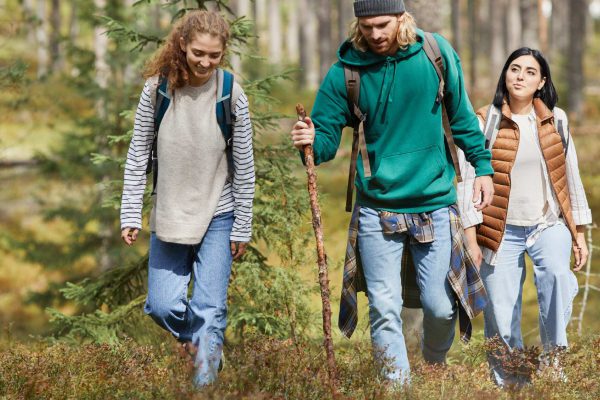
(411, 169)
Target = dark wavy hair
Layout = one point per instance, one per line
(547, 93)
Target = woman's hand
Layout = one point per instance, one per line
(303, 133)
(580, 250)
(483, 188)
(129, 235)
(472, 246)
(238, 249)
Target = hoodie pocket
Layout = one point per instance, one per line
(412, 175)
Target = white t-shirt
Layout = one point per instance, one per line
(528, 197)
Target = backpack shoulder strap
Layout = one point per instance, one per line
(161, 104)
(562, 131)
(225, 116)
(432, 49)
(352, 79)
(492, 124)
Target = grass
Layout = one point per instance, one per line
(266, 368)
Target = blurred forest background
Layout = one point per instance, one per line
(70, 78)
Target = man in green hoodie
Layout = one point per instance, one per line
(405, 187)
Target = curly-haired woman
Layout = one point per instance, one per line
(202, 202)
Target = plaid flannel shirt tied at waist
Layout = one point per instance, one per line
(463, 275)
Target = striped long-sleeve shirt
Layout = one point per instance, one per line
(237, 195)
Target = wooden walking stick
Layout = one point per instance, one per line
(321, 257)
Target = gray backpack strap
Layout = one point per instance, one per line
(352, 79)
(564, 136)
(432, 49)
(492, 123)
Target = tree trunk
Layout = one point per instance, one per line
(260, 18)
(308, 39)
(41, 35)
(542, 27)
(275, 35)
(472, 43)
(30, 18)
(241, 8)
(56, 56)
(100, 50)
(513, 27)
(292, 32)
(427, 13)
(102, 77)
(578, 12)
(559, 28)
(496, 14)
(324, 34)
(530, 24)
(345, 18)
(455, 23)
(73, 22)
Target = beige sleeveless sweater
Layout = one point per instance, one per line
(192, 165)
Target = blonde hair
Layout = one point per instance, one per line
(406, 35)
(170, 61)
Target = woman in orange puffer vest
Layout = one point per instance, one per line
(539, 208)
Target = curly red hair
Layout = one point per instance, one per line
(169, 61)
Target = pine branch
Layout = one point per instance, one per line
(99, 327)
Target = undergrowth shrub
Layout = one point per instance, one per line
(268, 368)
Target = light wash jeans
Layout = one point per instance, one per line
(202, 318)
(556, 288)
(381, 257)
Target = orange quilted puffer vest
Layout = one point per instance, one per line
(504, 151)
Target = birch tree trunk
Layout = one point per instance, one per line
(324, 35)
(345, 18)
(542, 27)
(308, 42)
(530, 24)
(292, 32)
(496, 14)
(73, 22)
(41, 35)
(513, 27)
(472, 43)
(100, 53)
(578, 12)
(275, 36)
(260, 18)
(559, 28)
(242, 8)
(30, 18)
(427, 13)
(56, 60)
(455, 24)
(102, 76)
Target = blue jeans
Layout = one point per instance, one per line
(556, 287)
(202, 318)
(381, 257)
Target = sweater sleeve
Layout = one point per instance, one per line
(330, 114)
(582, 215)
(464, 190)
(463, 122)
(134, 182)
(243, 176)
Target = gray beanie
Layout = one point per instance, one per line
(369, 8)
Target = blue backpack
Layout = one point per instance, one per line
(225, 118)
